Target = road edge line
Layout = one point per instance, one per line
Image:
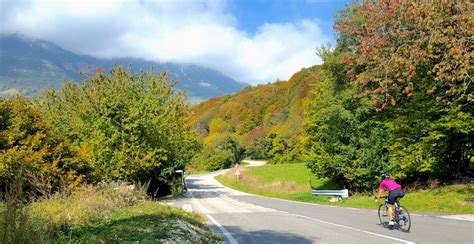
(351, 228)
(222, 228)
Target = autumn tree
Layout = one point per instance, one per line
(30, 144)
(222, 152)
(403, 47)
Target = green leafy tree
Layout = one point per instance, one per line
(342, 141)
(129, 126)
(224, 151)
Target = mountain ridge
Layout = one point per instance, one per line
(31, 66)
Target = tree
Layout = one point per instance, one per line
(343, 141)
(402, 47)
(129, 126)
(29, 143)
(224, 151)
(218, 125)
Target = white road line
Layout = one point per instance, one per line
(233, 241)
(334, 224)
(224, 231)
(356, 209)
(352, 228)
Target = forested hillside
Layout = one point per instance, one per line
(266, 120)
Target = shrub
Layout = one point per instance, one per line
(15, 225)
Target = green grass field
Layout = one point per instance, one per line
(290, 181)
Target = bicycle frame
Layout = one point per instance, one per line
(401, 215)
(396, 208)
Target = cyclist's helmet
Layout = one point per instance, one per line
(385, 175)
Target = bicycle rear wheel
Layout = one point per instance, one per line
(403, 220)
(383, 215)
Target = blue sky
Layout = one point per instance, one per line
(254, 41)
(251, 14)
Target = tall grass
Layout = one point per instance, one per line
(15, 223)
(114, 212)
(85, 205)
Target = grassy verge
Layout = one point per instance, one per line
(291, 181)
(108, 213)
(145, 222)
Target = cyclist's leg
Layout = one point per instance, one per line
(401, 194)
(390, 204)
(390, 211)
(397, 195)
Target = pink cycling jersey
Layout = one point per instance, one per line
(389, 185)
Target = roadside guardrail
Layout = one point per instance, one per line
(344, 193)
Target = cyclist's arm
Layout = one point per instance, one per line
(379, 193)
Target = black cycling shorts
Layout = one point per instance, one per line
(394, 194)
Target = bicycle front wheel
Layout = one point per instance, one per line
(404, 220)
(383, 215)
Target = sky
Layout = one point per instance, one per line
(252, 41)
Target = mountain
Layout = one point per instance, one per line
(268, 119)
(31, 66)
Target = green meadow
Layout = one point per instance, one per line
(292, 182)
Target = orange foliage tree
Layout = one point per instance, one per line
(400, 47)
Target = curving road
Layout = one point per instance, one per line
(246, 218)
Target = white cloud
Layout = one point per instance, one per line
(199, 32)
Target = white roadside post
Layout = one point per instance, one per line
(237, 175)
(237, 172)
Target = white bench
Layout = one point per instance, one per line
(344, 193)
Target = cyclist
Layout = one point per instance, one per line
(394, 191)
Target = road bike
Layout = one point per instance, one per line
(402, 217)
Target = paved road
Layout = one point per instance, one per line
(254, 163)
(245, 218)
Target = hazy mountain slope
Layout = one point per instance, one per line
(31, 66)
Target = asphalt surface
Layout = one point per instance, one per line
(246, 218)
